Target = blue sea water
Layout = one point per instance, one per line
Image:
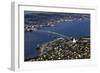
(76, 28)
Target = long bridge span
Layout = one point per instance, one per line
(55, 33)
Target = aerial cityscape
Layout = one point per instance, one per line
(56, 36)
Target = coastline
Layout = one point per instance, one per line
(54, 51)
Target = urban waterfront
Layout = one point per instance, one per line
(45, 27)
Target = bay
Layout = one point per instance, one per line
(76, 28)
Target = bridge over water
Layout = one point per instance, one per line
(55, 33)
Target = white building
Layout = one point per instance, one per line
(74, 41)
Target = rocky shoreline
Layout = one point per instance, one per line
(63, 49)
